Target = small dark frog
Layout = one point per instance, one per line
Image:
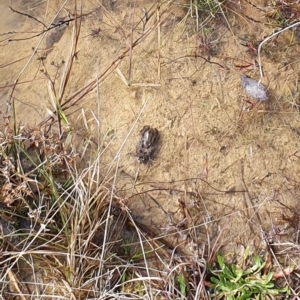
(150, 136)
(147, 146)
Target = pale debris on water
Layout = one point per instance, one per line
(253, 88)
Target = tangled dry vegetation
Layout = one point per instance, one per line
(67, 231)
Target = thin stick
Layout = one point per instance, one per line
(267, 39)
(130, 45)
(27, 15)
(158, 41)
(135, 179)
(68, 66)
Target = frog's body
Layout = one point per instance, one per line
(146, 147)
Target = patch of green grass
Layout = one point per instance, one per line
(211, 7)
(231, 282)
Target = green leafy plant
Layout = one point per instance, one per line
(182, 284)
(232, 282)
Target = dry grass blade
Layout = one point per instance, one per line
(57, 109)
(122, 77)
(14, 282)
(72, 55)
(127, 83)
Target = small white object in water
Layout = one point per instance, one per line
(253, 88)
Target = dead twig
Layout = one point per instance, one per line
(27, 15)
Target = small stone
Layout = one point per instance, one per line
(253, 88)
